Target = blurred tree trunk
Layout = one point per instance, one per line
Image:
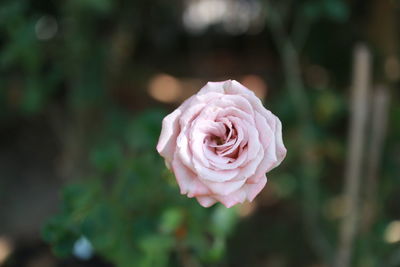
(383, 33)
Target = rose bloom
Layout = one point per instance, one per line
(220, 143)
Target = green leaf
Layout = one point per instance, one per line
(144, 131)
(60, 234)
(171, 220)
(107, 157)
(223, 220)
(217, 250)
(33, 97)
(98, 227)
(156, 249)
(336, 10)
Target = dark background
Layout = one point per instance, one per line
(84, 85)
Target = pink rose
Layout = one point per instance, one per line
(220, 143)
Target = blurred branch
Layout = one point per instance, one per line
(301, 30)
(380, 109)
(290, 60)
(359, 104)
(294, 83)
(122, 47)
(284, 7)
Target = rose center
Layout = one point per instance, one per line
(219, 140)
(225, 143)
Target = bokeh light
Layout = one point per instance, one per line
(392, 232)
(235, 17)
(83, 248)
(46, 28)
(165, 88)
(5, 248)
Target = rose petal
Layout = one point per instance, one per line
(212, 87)
(254, 189)
(205, 173)
(224, 188)
(170, 130)
(187, 180)
(206, 201)
(231, 200)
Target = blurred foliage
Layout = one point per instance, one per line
(336, 10)
(126, 203)
(130, 208)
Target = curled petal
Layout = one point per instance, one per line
(187, 180)
(206, 201)
(235, 198)
(170, 130)
(212, 87)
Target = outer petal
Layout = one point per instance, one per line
(247, 192)
(254, 189)
(187, 180)
(224, 188)
(276, 151)
(212, 87)
(280, 147)
(206, 201)
(265, 130)
(170, 131)
(235, 198)
(237, 88)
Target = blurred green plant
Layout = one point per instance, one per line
(317, 113)
(130, 208)
(125, 203)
